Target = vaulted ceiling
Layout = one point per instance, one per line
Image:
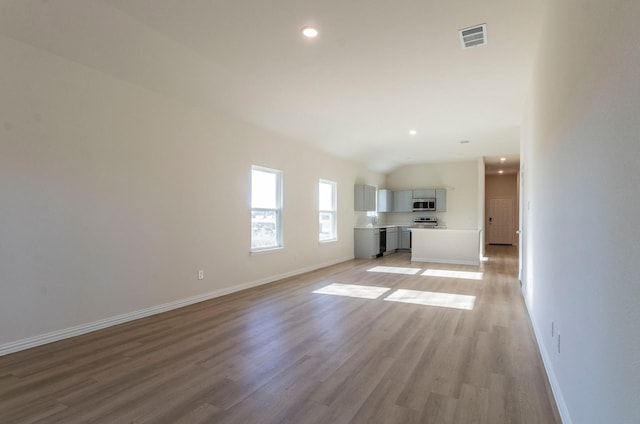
(377, 69)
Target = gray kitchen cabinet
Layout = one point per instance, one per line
(370, 198)
(402, 201)
(392, 240)
(385, 201)
(441, 200)
(366, 243)
(364, 197)
(424, 194)
(404, 238)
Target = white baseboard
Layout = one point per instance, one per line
(446, 261)
(66, 333)
(553, 381)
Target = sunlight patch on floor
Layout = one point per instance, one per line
(453, 274)
(446, 300)
(353, 290)
(395, 270)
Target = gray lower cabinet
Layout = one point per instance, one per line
(404, 238)
(366, 243)
(392, 239)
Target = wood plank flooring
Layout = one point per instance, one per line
(280, 353)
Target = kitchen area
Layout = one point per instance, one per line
(411, 221)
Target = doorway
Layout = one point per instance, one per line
(501, 226)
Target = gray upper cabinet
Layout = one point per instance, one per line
(424, 194)
(364, 197)
(385, 201)
(369, 198)
(441, 200)
(402, 201)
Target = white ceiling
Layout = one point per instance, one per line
(377, 69)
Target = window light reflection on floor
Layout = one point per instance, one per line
(446, 300)
(353, 290)
(453, 274)
(395, 270)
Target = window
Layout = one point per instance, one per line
(266, 209)
(327, 209)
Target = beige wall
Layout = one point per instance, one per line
(459, 178)
(113, 196)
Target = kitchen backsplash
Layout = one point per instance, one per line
(364, 219)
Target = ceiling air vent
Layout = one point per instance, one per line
(473, 36)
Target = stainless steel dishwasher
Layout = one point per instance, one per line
(383, 241)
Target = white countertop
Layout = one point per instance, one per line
(438, 227)
(377, 226)
(444, 229)
(382, 226)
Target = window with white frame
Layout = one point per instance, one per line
(266, 208)
(327, 211)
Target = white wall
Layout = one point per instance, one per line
(113, 196)
(481, 204)
(581, 153)
(459, 178)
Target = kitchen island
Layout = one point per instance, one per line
(445, 246)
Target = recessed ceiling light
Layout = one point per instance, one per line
(413, 132)
(309, 32)
(501, 172)
(503, 159)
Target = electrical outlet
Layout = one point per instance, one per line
(201, 274)
(558, 342)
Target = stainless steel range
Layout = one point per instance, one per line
(425, 222)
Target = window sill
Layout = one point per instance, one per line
(328, 241)
(265, 251)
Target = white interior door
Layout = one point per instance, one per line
(500, 226)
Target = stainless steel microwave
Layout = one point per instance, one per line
(420, 205)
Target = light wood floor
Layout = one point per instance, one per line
(282, 354)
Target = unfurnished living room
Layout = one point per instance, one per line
(243, 211)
